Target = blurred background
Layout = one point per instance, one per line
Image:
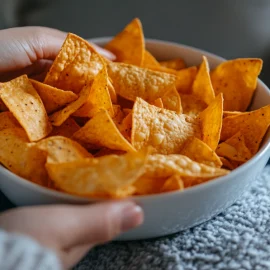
(229, 28)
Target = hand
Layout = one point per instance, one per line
(31, 51)
(72, 230)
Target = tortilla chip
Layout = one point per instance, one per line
(165, 166)
(118, 115)
(176, 63)
(128, 45)
(237, 80)
(59, 117)
(230, 113)
(146, 185)
(234, 148)
(172, 101)
(126, 126)
(173, 183)
(192, 105)
(131, 82)
(202, 86)
(99, 97)
(149, 60)
(106, 175)
(253, 126)
(53, 98)
(76, 65)
(164, 130)
(211, 122)
(200, 152)
(22, 157)
(185, 78)
(112, 92)
(61, 149)
(158, 103)
(100, 131)
(226, 164)
(67, 129)
(7, 120)
(106, 151)
(25, 104)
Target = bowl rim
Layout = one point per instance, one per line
(211, 183)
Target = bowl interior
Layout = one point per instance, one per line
(163, 50)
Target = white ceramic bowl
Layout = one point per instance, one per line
(170, 212)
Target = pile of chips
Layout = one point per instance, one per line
(135, 126)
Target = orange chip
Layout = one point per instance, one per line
(185, 78)
(53, 98)
(230, 113)
(171, 101)
(58, 118)
(99, 97)
(7, 120)
(211, 122)
(131, 82)
(126, 111)
(105, 175)
(234, 148)
(192, 105)
(173, 183)
(253, 126)
(237, 80)
(164, 130)
(22, 157)
(106, 151)
(96, 135)
(149, 60)
(146, 185)
(128, 45)
(118, 115)
(76, 64)
(158, 103)
(126, 126)
(61, 149)
(67, 129)
(25, 104)
(167, 165)
(177, 63)
(112, 92)
(200, 152)
(202, 86)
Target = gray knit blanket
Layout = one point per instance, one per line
(239, 238)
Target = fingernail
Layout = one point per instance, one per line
(132, 217)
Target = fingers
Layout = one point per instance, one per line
(98, 223)
(104, 52)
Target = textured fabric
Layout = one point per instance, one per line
(22, 253)
(239, 238)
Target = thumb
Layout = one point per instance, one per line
(97, 223)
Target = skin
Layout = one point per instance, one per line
(31, 50)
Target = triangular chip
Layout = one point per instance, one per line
(164, 130)
(202, 86)
(185, 78)
(200, 152)
(61, 149)
(191, 104)
(7, 120)
(53, 98)
(128, 45)
(23, 101)
(211, 122)
(131, 82)
(230, 113)
(99, 97)
(100, 131)
(149, 60)
(176, 63)
(105, 175)
(234, 148)
(253, 126)
(76, 64)
(146, 185)
(172, 101)
(165, 166)
(237, 80)
(173, 183)
(158, 103)
(67, 129)
(112, 92)
(59, 117)
(22, 157)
